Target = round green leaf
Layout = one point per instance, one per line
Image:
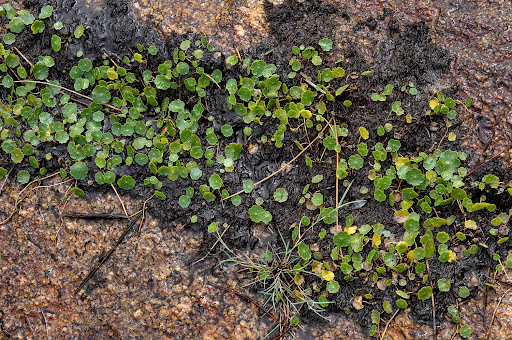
(183, 68)
(307, 98)
(465, 331)
(245, 94)
(414, 176)
(394, 145)
(77, 191)
(444, 285)
(126, 182)
(401, 303)
(442, 237)
(227, 130)
(184, 201)
(316, 60)
(236, 200)
(101, 95)
(79, 170)
(215, 181)
(233, 60)
(317, 199)
(304, 251)
(333, 287)
(425, 293)
(390, 259)
(342, 239)
(325, 44)
(84, 65)
(40, 71)
(248, 186)
(195, 174)
(401, 247)
(329, 215)
(46, 12)
(79, 31)
(355, 162)
(162, 83)
(9, 38)
(17, 155)
(280, 195)
(3, 172)
(100, 162)
(109, 177)
(463, 292)
(203, 81)
(16, 25)
(185, 45)
(61, 137)
(213, 227)
(161, 196)
(258, 214)
(153, 50)
(23, 177)
(38, 27)
(459, 194)
(379, 195)
(56, 43)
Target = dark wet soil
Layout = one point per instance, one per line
(408, 55)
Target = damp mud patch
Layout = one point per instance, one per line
(408, 59)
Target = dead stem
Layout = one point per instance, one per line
(45, 323)
(387, 324)
(433, 304)
(283, 167)
(120, 200)
(106, 257)
(219, 238)
(488, 160)
(21, 54)
(337, 181)
(93, 216)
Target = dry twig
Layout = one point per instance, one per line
(120, 200)
(283, 167)
(387, 324)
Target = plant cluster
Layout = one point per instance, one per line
(128, 116)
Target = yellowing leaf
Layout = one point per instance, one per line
(299, 279)
(376, 241)
(408, 118)
(298, 295)
(372, 174)
(452, 136)
(433, 103)
(350, 230)
(410, 256)
(364, 133)
(452, 256)
(402, 212)
(358, 302)
(327, 275)
(306, 114)
(402, 161)
(470, 224)
(317, 267)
